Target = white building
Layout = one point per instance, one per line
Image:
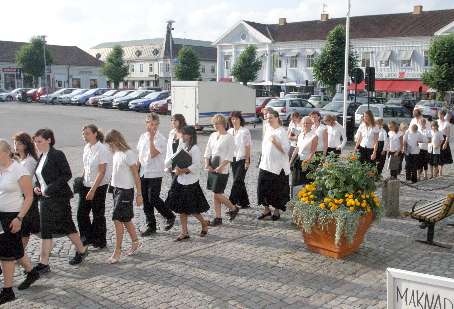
(395, 44)
(150, 61)
(71, 67)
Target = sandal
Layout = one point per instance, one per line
(182, 237)
(133, 251)
(204, 231)
(114, 259)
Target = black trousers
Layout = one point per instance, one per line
(238, 194)
(381, 159)
(151, 189)
(412, 167)
(92, 232)
(333, 150)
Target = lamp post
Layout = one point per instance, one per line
(43, 37)
(169, 30)
(347, 54)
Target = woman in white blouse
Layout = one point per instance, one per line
(218, 155)
(16, 195)
(367, 143)
(185, 195)
(27, 157)
(241, 159)
(273, 181)
(178, 122)
(321, 131)
(395, 149)
(424, 149)
(293, 131)
(382, 145)
(444, 126)
(337, 137)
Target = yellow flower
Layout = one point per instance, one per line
(346, 195)
(363, 196)
(357, 203)
(451, 195)
(326, 199)
(367, 195)
(351, 209)
(322, 206)
(350, 196)
(312, 196)
(341, 201)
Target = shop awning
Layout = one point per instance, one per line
(384, 55)
(309, 52)
(389, 85)
(405, 54)
(291, 54)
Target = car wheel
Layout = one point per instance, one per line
(9, 98)
(29, 99)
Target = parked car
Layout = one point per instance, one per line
(52, 98)
(143, 105)
(3, 95)
(106, 102)
(82, 98)
(297, 95)
(260, 103)
(123, 102)
(31, 95)
(11, 95)
(163, 107)
(66, 99)
(93, 101)
(388, 112)
(286, 106)
(429, 108)
(319, 100)
(21, 95)
(337, 109)
(405, 102)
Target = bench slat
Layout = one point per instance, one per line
(429, 204)
(435, 208)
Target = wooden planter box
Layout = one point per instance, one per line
(322, 241)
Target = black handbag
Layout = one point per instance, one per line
(78, 185)
(297, 172)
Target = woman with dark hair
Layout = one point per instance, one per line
(186, 196)
(241, 159)
(367, 143)
(445, 152)
(273, 188)
(52, 174)
(337, 137)
(178, 122)
(27, 157)
(97, 162)
(321, 131)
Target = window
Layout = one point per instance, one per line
(384, 63)
(405, 63)
(387, 112)
(227, 64)
(293, 61)
(405, 57)
(202, 69)
(426, 59)
(75, 83)
(93, 83)
(59, 83)
(167, 67)
(131, 68)
(150, 68)
(295, 103)
(213, 69)
(141, 67)
(310, 59)
(366, 59)
(278, 63)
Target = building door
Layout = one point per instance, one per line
(10, 81)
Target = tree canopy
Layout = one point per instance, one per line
(115, 68)
(188, 66)
(31, 58)
(247, 66)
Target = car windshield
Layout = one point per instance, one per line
(122, 93)
(277, 103)
(79, 91)
(109, 93)
(152, 95)
(315, 98)
(135, 93)
(430, 103)
(91, 91)
(394, 101)
(334, 106)
(58, 91)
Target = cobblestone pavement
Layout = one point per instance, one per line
(244, 264)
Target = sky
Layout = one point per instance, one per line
(86, 23)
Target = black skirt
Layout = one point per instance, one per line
(434, 159)
(423, 160)
(333, 150)
(56, 219)
(11, 247)
(273, 190)
(31, 221)
(186, 199)
(445, 154)
(123, 200)
(365, 154)
(217, 182)
(299, 177)
(238, 193)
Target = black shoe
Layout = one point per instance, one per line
(182, 237)
(233, 213)
(42, 268)
(32, 276)
(245, 206)
(264, 215)
(99, 246)
(78, 258)
(7, 295)
(170, 224)
(148, 232)
(275, 217)
(215, 222)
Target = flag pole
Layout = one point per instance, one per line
(347, 53)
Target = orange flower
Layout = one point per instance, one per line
(353, 157)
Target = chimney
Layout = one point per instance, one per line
(324, 17)
(417, 9)
(282, 21)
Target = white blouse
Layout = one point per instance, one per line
(367, 135)
(30, 164)
(435, 143)
(412, 140)
(151, 167)
(335, 134)
(296, 130)
(304, 144)
(272, 160)
(394, 141)
(95, 155)
(11, 199)
(320, 130)
(242, 138)
(222, 145)
(39, 170)
(427, 134)
(122, 176)
(193, 176)
(169, 151)
(444, 127)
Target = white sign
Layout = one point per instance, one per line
(410, 290)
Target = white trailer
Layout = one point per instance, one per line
(198, 101)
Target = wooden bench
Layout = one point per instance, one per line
(430, 213)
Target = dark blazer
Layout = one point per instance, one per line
(56, 173)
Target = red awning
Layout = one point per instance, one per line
(389, 85)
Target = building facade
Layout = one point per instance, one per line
(71, 67)
(395, 44)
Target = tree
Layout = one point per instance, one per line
(188, 67)
(329, 65)
(115, 68)
(31, 58)
(441, 75)
(247, 67)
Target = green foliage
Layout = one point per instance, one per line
(329, 65)
(247, 66)
(31, 58)
(188, 67)
(441, 75)
(115, 68)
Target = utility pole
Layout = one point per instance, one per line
(347, 54)
(43, 37)
(169, 30)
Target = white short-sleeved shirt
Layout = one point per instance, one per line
(222, 145)
(193, 176)
(320, 131)
(151, 167)
(336, 136)
(444, 127)
(296, 129)
(416, 122)
(435, 142)
(394, 141)
(95, 155)
(30, 164)
(272, 160)
(304, 144)
(367, 136)
(11, 199)
(427, 134)
(122, 176)
(412, 140)
(242, 138)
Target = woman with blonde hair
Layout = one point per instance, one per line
(337, 137)
(125, 175)
(367, 143)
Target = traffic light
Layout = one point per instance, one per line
(369, 79)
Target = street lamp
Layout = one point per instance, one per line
(169, 31)
(43, 37)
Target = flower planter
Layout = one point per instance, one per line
(322, 241)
